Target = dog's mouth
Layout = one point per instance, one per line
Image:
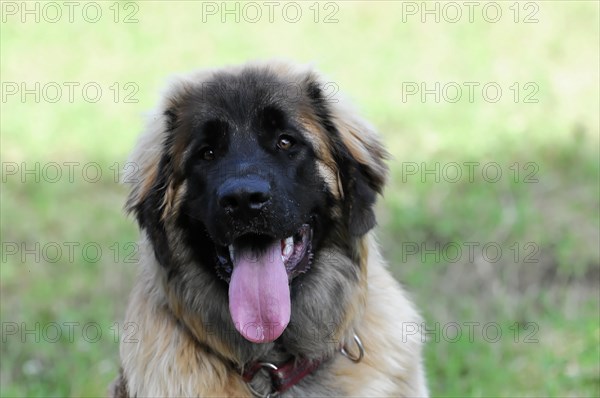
(259, 269)
(296, 251)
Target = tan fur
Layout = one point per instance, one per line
(318, 137)
(330, 175)
(200, 332)
(392, 366)
(161, 359)
(173, 197)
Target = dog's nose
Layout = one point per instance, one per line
(244, 196)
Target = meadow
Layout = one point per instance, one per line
(490, 218)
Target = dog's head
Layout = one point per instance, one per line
(251, 174)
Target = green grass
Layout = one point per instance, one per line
(369, 54)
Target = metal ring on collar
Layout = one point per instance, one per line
(270, 394)
(361, 351)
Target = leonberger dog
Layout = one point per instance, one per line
(260, 275)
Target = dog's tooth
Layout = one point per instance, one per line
(287, 252)
(231, 252)
(288, 247)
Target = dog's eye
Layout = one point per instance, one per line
(207, 154)
(285, 142)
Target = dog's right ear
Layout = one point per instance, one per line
(151, 171)
(152, 183)
(142, 169)
(146, 169)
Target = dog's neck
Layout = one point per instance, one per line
(308, 339)
(315, 345)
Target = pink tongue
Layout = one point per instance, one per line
(259, 295)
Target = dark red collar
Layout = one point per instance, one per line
(285, 376)
(290, 373)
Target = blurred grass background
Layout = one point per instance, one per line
(547, 309)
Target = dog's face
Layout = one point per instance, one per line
(253, 186)
(257, 176)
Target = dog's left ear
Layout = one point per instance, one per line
(359, 154)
